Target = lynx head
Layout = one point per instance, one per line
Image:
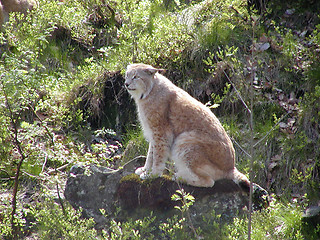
(140, 80)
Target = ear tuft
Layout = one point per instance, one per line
(150, 71)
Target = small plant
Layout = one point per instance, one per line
(217, 99)
(174, 228)
(131, 229)
(53, 223)
(186, 199)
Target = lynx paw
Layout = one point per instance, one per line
(140, 170)
(145, 175)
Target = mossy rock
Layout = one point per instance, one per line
(113, 190)
(155, 193)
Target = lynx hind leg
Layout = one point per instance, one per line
(186, 175)
(190, 162)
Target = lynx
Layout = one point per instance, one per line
(180, 128)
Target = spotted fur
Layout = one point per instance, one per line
(181, 129)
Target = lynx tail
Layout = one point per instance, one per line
(240, 179)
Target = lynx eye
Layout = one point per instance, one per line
(135, 78)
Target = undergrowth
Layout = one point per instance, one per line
(208, 48)
(49, 221)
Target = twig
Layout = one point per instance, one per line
(237, 92)
(239, 14)
(252, 134)
(132, 160)
(170, 169)
(59, 168)
(42, 123)
(261, 139)
(60, 200)
(6, 172)
(241, 147)
(44, 163)
(31, 175)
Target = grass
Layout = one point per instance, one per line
(59, 46)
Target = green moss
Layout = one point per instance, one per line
(131, 178)
(147, 182)
(167, 177)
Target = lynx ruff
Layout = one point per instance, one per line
(180, 128)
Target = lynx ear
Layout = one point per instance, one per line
(161, 70)
(151, 70)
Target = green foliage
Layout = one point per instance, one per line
(132, 229)
(217, 99)
(53, 223)
(186, 199)
(135, 144)
(19, 220)
(218, 22)
(58, 47)
(149, 34)
(34, 94)
(279, 221)
(174, 228)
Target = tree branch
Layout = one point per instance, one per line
(18, 146)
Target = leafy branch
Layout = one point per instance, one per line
(23, 157)
(186, 199)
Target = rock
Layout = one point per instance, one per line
(9, 6)
(312, 215)
(93, 188)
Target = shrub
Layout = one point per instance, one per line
(53, 223)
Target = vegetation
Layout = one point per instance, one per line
(229, 55)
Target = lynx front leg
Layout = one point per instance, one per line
(148, 165)
(160, 154)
